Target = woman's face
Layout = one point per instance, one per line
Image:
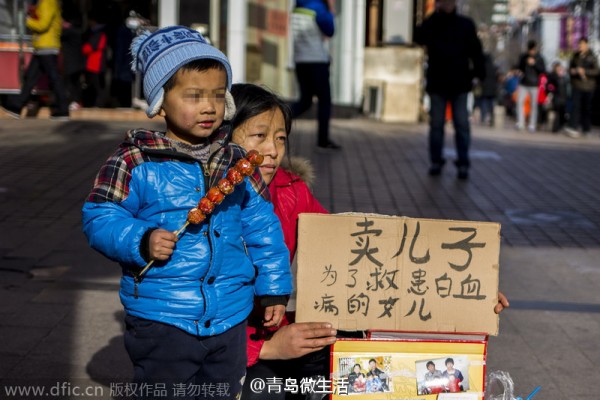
(266, 134)
(357, 368)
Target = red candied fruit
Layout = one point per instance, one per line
(215, 195)
(195, 216)
(206, 206)
(225, 186)
(245, 167)
(255, 158)
(235, 176)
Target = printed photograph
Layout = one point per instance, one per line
(366, 374)
(442, 375)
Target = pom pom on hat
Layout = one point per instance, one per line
(159, 55)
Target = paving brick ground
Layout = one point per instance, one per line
(60, 318)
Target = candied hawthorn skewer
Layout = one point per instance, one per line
(255, 158)
(216, 194)
(234, 176)
(245, 167)
(225, 186)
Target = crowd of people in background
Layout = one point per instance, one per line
(557, 98)
(80, 59)
(90, 67)
(96, 60)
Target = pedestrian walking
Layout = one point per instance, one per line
(583, 70)
(531, 66)
(71, 40)
(454, 60)
(94, 49)
(45, 22)
(558, 86)
(489, 91)
(312, 23)
(510, 84)
(122, 76)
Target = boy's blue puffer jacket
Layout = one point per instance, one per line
(208, 284)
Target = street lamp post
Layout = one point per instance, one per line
(595, 39)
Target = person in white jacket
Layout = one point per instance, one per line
(312, 23)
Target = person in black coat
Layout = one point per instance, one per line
(489, 90)
(558, 86)
(455, 58)
(583, 69)
(71, 40)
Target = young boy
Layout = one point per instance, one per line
(185, 317)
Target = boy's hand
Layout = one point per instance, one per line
(274, 315)
(161, 244)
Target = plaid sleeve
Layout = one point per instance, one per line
(259, 185)
(112, 181)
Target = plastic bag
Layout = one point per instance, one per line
(500, 386)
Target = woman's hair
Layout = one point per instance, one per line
(252, 100)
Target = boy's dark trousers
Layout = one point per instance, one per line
(169, 363)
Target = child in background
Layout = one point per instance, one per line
(94, 49)
(360, 384)
(374, 384)
(186, 317)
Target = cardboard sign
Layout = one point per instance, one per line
(369, 271)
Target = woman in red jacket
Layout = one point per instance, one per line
(263, 122)
(294, 350)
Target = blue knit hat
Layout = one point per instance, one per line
(159, 55)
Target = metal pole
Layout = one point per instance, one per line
(20, 31)
(237, 20)
(215, 23)
(595, 34)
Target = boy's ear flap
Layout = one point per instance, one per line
(156, 105)
(229, 106)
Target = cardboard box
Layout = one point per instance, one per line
(368, 271)
(395, 366)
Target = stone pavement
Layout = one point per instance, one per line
(61, 320)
